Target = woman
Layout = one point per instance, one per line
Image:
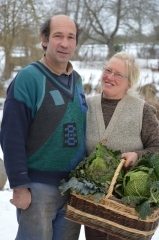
(126, 122)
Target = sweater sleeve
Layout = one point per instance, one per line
(19, 109)
(150, 130)
(16, 118)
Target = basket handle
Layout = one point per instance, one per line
(111, 187)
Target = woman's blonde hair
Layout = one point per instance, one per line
(133, 68)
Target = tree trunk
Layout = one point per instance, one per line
(111, 50)
(8, 67)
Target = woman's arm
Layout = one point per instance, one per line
(150, 130)
(149, 136)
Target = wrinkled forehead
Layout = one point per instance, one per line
(62, 23)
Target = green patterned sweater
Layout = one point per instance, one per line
(43, 126)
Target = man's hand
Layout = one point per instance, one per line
(21, 198)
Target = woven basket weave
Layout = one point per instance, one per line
(111, 216)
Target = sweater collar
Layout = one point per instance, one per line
(44, 61)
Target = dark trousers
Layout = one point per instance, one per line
(93, 234)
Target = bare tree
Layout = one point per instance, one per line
(18, 27)
(104, 21)
(107, 20)
(141, 16)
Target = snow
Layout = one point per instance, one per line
(90, 74)
(8, 221)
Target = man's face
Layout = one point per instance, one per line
(61, 44)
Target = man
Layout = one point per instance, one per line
(43, 134)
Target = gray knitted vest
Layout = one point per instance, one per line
(124, 129)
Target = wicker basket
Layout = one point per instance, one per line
(111, 216)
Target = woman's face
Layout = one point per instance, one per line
(114, 79)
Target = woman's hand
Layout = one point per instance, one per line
(130, 157)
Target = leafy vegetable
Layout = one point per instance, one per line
(141, 185)
(98, 170)
(132, 186)
(93, 175)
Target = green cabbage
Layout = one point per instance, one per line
(94, 173)
(98, 170)
(135, 183)
(140, 188)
